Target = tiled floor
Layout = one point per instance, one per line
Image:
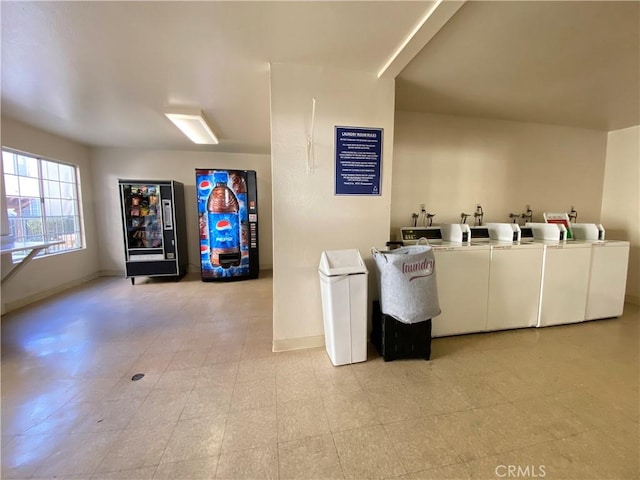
(215, 402)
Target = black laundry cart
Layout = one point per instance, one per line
(396, 340)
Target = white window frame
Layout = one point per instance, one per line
(73, 240)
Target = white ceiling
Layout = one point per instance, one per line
(565, 62)
(102, 73)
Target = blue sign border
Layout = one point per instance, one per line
(358, 161)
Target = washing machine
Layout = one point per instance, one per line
(462, 273)
(515, 280)
(608, 278)
(565, 282)
(463, 278)
(413, 235)
(608, 272)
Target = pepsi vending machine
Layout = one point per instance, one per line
(228, 224)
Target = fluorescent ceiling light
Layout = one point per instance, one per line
(193, 124)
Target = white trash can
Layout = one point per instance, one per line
(344, 286)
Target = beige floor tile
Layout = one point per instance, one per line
(415, 370)
(337, 380)
(64, 420)
(367, 453)
(535, 461)
(393, 404)
(195, 438)
(253, 394)
(477, 391)
(595, 455)
(257, 348)
(470, 433)
(137, 448)
(319, 358)
(77, 454)
(349, 411)
(167, 342)
(253, 464)
(23, 454)
(110, 366)
(470, 363)
(574, 390)
(151, 363)
(437, 396)
(591, 409)
(254, 369)
(197, 342)
(196, 469)
(554, 460)
(126, 388)
(217, 374)
(223, 354)
(518, 385)
(205, 402)
(547, 412)
(619, 395)
(183, 380)
(19, 415)
(625, 434)
(143, 473)
(300, 419)
(298, 386)
(449, 472)
(511, 430)
(420, 445)
(187, 359)
(309, 458)
(109, 415)
(247, 429)
(159, 408)
(377, 373)
(296, 362)
(96, 389)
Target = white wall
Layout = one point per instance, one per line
(37, 279)
(452, 163)
(110, 164)
(307, 217)
(621, 199)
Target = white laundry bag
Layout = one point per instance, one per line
(407, 283)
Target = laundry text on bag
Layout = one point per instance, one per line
(420, 269)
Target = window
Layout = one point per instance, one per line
(42, 202)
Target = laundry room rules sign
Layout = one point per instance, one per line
(358, 161)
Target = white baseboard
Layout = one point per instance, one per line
(10, 306)
(288, 344)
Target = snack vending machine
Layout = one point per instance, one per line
(155, 229)
(228, 224)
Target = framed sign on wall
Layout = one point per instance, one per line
(358, 161)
